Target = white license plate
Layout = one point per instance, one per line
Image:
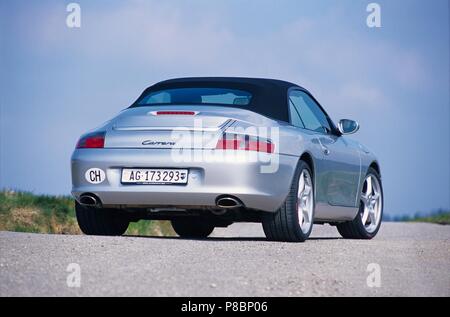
(154, 176)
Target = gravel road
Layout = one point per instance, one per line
(413, 260)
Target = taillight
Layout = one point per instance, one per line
(231, 141)
(95, 140)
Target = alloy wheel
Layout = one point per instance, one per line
(372, 201)
(305, 201)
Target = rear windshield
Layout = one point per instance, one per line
(213, 96)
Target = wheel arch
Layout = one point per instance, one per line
(308, 159)
(376, 166)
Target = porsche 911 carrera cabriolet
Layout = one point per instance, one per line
(208, 152)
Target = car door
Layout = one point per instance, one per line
(338, 169)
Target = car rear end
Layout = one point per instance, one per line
(183, 157)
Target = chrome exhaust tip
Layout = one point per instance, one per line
(89, 200)
(228, 202)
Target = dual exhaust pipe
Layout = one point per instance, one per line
(224, 202)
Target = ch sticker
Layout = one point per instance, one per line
(95, 175)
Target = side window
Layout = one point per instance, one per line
(310, 113)
(295, 116)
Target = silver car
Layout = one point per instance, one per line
(208, 152)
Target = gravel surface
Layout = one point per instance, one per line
(413, 258)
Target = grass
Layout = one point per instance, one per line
(27, 212)
(442, 219)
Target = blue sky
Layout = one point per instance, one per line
(58, 82)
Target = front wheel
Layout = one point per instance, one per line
(293, 222)
(368, 221)
(192, 227)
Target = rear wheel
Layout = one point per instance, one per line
(293, 222)
(192, 227)
(101, 221)
(368, 221)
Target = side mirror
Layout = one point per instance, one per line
(347, 126)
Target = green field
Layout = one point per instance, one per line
(442, 219)
(26, 212)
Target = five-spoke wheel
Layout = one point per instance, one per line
(294, 220)
(368, 221)
(305, 201)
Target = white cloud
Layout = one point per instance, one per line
(173, 38)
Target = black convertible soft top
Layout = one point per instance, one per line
(269, 96)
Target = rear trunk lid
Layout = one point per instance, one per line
(175, 126)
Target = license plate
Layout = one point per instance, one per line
(154, 176)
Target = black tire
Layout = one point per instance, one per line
(100, 221)
(192, 227)
(284, 225)
(355, 229)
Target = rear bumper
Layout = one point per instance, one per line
(207, 179)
